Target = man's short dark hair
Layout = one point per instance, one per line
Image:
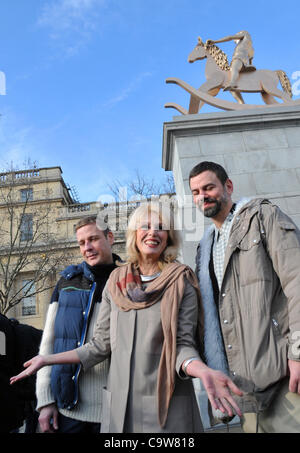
(219, 171)
(89, 220)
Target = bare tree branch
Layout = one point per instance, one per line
(141, 187)
(30, 253)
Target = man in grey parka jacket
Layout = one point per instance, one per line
(248, 266)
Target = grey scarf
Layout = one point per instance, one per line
(214, 352)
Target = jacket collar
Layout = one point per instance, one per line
(246, 209)
(82, 268)
(242, 214)
(206, 241)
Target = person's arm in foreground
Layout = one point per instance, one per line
(46, 405)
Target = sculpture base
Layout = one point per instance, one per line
(260, 149)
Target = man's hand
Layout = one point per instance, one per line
(48, 418)
(294, 384)
(218, 387)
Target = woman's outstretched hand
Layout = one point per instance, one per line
(218, 386)
(39, 361)
(32, 366)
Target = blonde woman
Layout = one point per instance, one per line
(149, 324)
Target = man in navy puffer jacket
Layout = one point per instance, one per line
(68, 399)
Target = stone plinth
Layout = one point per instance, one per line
(260, 149)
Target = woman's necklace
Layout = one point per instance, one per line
(148, 278)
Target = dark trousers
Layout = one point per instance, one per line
(70, 425)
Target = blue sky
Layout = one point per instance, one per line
(85, 79)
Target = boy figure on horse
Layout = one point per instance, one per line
(242, 56)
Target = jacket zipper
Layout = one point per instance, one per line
(82, 340)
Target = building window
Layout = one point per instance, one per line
(28, 302)
(26, 228)
(26, 195)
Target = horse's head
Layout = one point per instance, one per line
(198, 53)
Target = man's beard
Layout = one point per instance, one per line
(212, 211)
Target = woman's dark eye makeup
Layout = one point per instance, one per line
(148, 226)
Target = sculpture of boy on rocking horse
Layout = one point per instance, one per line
(238, 77)
(242, 56)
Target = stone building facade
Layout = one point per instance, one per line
(41, 195)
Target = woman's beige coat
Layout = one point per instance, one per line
(134, 339)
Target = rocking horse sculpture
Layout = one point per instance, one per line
(218, 77)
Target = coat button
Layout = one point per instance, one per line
(229, 346)
(78, 343)
(224, 294)
(225, 321)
